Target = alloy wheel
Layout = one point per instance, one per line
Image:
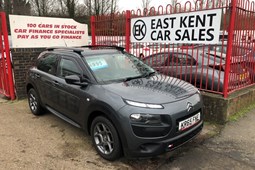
(33, 102)
(103, 138)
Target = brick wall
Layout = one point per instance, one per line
(22, 59)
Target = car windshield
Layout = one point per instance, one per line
(117, 67)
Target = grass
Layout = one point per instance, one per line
(241, 113)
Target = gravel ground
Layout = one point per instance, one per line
(47, 142)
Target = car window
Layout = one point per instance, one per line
(48, 63)
(68, 67)
(156, 60)
(178, 59)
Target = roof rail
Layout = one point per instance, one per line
(104, 47)
(77, 50)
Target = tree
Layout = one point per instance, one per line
(203, 4)
(200, 4)
(146, 4)
(174, 2)
(7, 6)
(68, 7)
(1, 5)
(220, 3)
(114, 6)
(42, 7)
(175, 8)
(99, 7)
(20, 7)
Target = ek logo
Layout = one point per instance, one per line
(139, 30)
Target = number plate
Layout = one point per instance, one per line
(189, 122)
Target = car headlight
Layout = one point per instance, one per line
(145, 118)
(144, 105)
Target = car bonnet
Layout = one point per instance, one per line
(157, 89)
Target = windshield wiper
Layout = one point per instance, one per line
(132, 78)
(140, 76)
(149, 74)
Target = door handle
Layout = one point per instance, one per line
(55, 83)
(37, 76)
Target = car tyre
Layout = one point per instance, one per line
(34, 102)
(105, 138)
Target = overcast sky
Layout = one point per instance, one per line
(134, 4)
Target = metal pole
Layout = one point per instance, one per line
(7, 52)
(93, 30)
(128, 25)
(229, 47)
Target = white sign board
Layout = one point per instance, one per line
(33, 32)
(193, 27)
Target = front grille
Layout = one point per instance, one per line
(151, 131)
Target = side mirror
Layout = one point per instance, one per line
(74, 79)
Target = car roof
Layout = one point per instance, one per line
(87, 50)
(196, 54)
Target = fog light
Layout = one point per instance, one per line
(135, 116)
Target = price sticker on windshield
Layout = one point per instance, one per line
(98, 63)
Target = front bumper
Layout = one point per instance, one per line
(155, 140)
(154, 148)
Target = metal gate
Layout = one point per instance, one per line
(225, 67)
(6, 75)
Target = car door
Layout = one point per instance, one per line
(45, 76)
(72, 99)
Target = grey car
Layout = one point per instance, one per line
(125, 105)
(203, 68)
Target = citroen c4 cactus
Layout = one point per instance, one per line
(126, 107)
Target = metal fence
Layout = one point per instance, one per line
(6, 75)
(222, 68)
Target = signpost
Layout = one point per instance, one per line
(200, 27)
(34, 32)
